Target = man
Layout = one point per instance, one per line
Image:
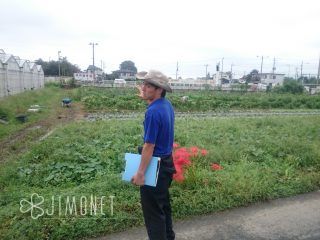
(158, 141)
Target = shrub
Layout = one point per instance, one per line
(290, 86)
(4, 115)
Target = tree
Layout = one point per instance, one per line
(252, 77)
(52, 68)
(307, 80)
(290, 86)
(229, 74)
(112, 76)
(128, 66)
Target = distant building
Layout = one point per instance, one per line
(84, 76)
(95, 69)
(220, 78)
(271, 79)
(125, 74)
(189, 83)
(92, 74)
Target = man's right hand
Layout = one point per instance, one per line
(138, 179)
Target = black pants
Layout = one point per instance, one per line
(156, 208)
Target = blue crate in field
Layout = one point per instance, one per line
(66, 102)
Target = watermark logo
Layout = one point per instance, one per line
(64, 206)
(33, 206)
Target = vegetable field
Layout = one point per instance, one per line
(125, 99)
(68, 185)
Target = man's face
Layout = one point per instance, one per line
(150, 92)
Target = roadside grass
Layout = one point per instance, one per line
(262, 158)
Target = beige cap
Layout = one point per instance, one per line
(156, 78)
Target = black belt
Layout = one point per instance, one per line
(167, 165)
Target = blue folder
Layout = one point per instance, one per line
(132, 165)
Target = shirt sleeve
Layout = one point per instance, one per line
(152, 125)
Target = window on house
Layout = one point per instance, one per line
(274, 76)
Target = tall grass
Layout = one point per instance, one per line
(49, 99)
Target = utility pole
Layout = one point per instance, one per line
(301, 67)
(177, 69)
(288, 70)
(261, 66)
(274, 66)
(59, 65)
(94, 68)
(231, 71)
(206, 65)
(296, 76)
(318, 72)
(222, 64)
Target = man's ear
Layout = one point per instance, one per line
(160, 90)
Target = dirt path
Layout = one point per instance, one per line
(21, 140)
(228, 114)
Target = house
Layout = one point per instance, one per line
(125, 74)
(221, 78)
(95, 69)
(92, 74)
(84, 76)
(271, 79)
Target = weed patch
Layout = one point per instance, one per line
(260, 158)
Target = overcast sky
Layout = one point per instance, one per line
(156, 34)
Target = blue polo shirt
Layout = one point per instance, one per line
(159, 127)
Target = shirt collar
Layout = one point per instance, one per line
(156, 101)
